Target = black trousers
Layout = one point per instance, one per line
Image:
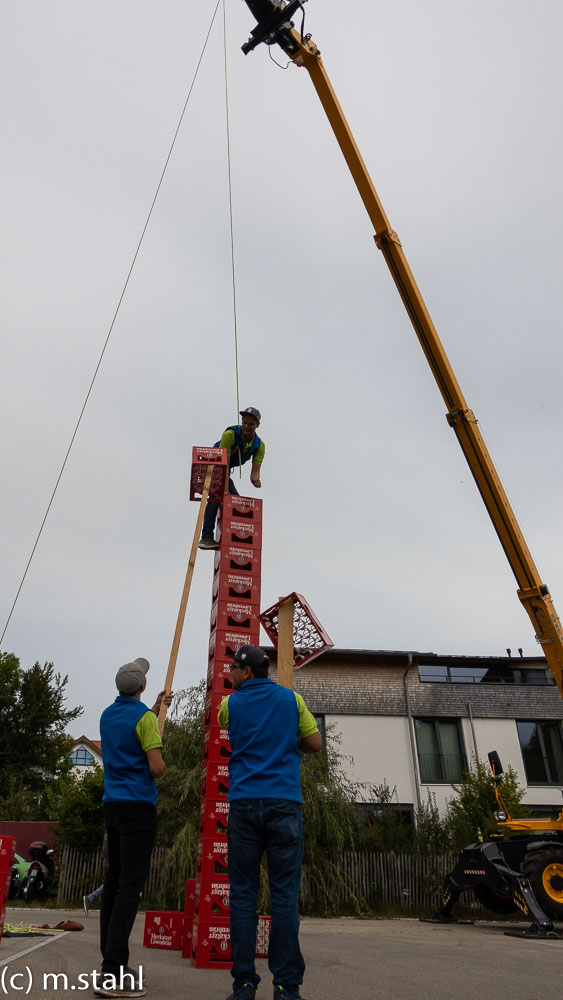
(131, 829)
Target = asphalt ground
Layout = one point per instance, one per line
(346, 960)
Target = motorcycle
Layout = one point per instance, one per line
(40, 871)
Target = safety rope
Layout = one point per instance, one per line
(97, 368)
(233, 272)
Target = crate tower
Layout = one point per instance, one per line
(235, 622)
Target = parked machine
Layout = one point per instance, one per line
(40, 872)
(524, 872)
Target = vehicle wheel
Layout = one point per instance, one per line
(493, 900)
(29, 890)
(544, 869)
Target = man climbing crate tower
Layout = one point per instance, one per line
(242, 445)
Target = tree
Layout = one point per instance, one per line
(79, 810)
(471, 811)
(34, 748)
(331, 825)
(179, 792)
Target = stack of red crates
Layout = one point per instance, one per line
(7, 848)
(234, 622)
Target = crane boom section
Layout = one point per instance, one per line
(274, 27)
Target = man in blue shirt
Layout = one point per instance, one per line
(131, 751)
(268, 726)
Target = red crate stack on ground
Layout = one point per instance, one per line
(7, 848)
(234, 622)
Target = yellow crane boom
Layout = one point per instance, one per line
(276, 27)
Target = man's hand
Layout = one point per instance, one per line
(167, 701)
(255, 475)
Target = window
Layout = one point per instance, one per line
(476, 673)
(320, 720)
(542, 752)
(81, 758)
(440, 750)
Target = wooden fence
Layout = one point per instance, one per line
(392, 880)
(382, 880)
(81, 873)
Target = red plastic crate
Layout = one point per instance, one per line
(189, 897)
(163, 929)
(247, 508)
(201, 458)
(235, 531)
(187, 934)
(309, 637)
(238, 558)
(231, 614)
(216, 744)
(213, 818)
(212, 856)
(231, 586)
(211, 943)
(212, 900)
(219, 677)
(263, 936)
(211, 946)
(224, 643)
(212, 705)
(214, 780)
(7, 849)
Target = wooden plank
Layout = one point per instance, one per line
(184, 599)
(285, 643)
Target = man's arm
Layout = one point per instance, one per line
(257, 466)
(310, 744)
(157, 767)
(309, 739)
(149, 738)
(255, 475)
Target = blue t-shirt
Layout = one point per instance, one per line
(265, 722)
(125, 739)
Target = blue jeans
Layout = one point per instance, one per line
(97, 892)
(273, 826)
(211, 511)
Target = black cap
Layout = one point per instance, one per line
(251, 411)
(251, 656)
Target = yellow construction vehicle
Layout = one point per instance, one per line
(519, 868)
(275, 27)
(534, 847)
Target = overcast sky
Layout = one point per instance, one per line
(369, 509)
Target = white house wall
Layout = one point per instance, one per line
(380, 750)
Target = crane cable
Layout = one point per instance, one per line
(233, 270)
(121, 297)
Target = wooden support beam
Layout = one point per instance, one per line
(285, 643)
(184, 600)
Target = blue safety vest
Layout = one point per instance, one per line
(127, 777)
(239, 455)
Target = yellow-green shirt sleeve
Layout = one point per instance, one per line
(147, 731)
(227, 441)
(223, 714)
(307, 724)
(259, 456)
